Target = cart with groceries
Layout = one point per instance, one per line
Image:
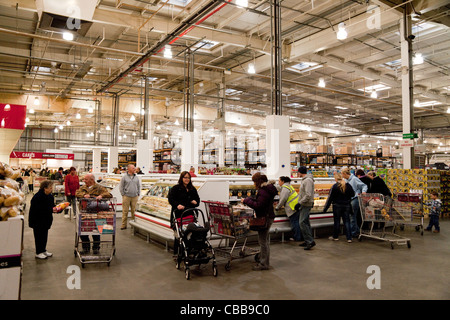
(231, 224)
(378, 220)
(96, 221)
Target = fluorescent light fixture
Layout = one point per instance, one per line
(426, 104)
(251, 68)
(374, 94)
(417, 59)
(68, 36)
(36, 101)
(342, 33)
(341, 108)
(321, 83)
(242, 3)
(417, 103)
(168, 52)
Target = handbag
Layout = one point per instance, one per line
(258, 223)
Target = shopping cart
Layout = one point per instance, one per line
(377, 219)
(230, 222)
(97, 219)
(407, 210)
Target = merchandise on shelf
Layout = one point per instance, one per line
(11, 197)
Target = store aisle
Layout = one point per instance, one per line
(332, 270)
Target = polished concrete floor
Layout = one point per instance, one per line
(334, 270)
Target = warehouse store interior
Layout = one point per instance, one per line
(227, 88)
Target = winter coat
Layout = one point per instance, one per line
(40, 215)
(357, 185)
(179, 195)
(263, 203)
(379, 186)
(71, 184)
(338, 197)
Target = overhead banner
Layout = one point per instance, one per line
(42, 155)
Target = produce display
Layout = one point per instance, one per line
(11, 197)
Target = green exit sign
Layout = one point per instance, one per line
(409, 135)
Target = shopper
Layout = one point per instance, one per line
(364, 178)
(263, 206)
(340, 197)
(91, 190)
(435, 211)
(71, 185)
(288, 199)
(182, 196)
(192, 172)
(59, 175)
(31, 180)
(378, 185)
(130, 189)
(139, 171)
(305, 204)
(40, 217)
(360, 188)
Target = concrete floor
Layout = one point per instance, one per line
(332, 270)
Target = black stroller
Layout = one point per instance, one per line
(194, 247)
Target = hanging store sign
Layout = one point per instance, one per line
(42, 155)
(407, 144)
(410, 135)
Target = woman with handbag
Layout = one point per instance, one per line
(263, 206)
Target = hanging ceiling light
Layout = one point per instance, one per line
(56, 130)
(68, 36)
(31, 110)
(251, 68)
(418, 58)
(36, 101)
(27, 119)
(134, 134)
(321, 83)
(374, 94)
(78, 116)
(90, 110)
(417, 103)
(448, 110)
(176, 122)
(168, 52)
(61, 127)
(108, 127)
(132, 118)
(68, 122)
(242, 3)
(342, 33)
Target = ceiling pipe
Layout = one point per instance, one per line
(186, 26)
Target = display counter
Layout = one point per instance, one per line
(153, 209)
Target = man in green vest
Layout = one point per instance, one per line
(288, 199)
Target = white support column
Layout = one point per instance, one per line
(189, 150)
(278, 153)
(113, 158)
(144, 155)
(222, 143)
(96, 160)
(407, 111)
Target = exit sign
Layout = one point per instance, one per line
(409, 135)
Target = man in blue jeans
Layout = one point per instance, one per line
(305, 204)
(360, 188)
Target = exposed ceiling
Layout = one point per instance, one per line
(118, 42)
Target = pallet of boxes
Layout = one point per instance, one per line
(424, 181)
(445, 192)
(11, 233)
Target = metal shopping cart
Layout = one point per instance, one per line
(377, 219)
(96, 219)
(407, 210)
(231, 223)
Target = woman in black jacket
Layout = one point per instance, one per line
(182, 196)
(40, 217)
(340, 196)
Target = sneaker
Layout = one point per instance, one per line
(334, 239)
(48, 254)
(436, 231)
(41, 255)
(349, 241)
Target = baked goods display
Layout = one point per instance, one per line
(11, 197)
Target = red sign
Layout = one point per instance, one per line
(12, 116)
(42, 155)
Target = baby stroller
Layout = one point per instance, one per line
(194, 247)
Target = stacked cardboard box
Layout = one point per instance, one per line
(423, 181)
